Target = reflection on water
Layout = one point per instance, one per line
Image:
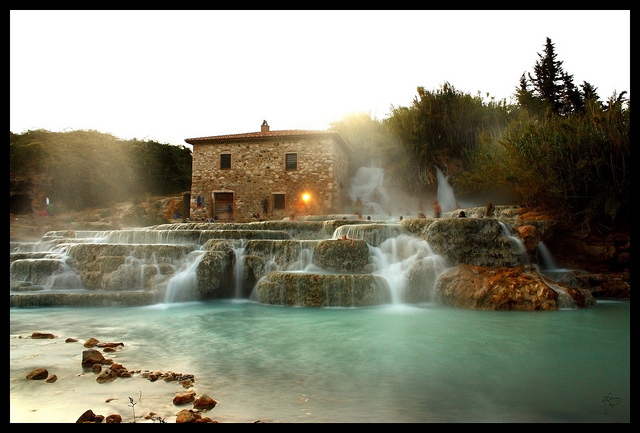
(397, 363)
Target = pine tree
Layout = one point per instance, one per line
(549, 79)
(572, 99)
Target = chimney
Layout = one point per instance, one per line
(264, 127)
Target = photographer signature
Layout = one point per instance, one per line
(609, 401)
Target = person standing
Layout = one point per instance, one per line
(489, 210)
(437, 210)
(230, 211)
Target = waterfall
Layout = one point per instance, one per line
(547, 263)
(183, 286)
(508, 233)
(397, 257)
(565, 301)
(446, 197)
(367, 189)
(238, 270)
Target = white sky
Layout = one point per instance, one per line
(169, 75)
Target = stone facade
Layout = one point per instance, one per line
(267, 173)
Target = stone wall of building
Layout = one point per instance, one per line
(258, 172)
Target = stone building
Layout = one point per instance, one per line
(269, 174)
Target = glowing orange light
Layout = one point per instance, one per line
(306, 197)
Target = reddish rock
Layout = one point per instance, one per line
(38, 374)
(90, 417)
(154, 375)
(110, 345)
(184, 398)
(504, 288)
(204, 402)
(41, 335)
(92, 356)
(114, 419)
(106, 375)
(120, 370)
(51, 378)
(191, 416)
(71, 340)
(185, 416)
(91, 342)
(530, 237)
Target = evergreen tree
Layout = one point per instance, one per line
(527, 99)
(548, 79)
(572, 99)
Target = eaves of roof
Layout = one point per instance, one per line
(268, 135)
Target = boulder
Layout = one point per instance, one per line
(107, 375)
(90, 417)
(92, 356)
(519, 288)
(51, 379)
(204, 402)
(42, 335)
(184, 398)
(38, 374)
(114, 419)
(192, 416)
(91, 342)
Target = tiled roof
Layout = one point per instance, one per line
(265, 135)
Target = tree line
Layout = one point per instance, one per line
(558, 147)
(83, 169)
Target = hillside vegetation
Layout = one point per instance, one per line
(83, 169)
(559, 148)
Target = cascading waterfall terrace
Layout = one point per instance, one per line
(303, 263)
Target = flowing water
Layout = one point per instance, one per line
(445, 195)
(395, 363)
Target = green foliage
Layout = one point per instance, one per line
(163, 168)
(547, 78)
(90, 168)
(552, 90)
(441, 129)
(559, 148)
(576, 165)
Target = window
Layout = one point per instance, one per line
(278, 201)
(292, 161)
(225, 161)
